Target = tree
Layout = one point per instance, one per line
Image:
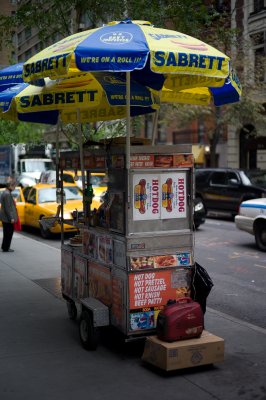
(55, 19)
(22, 132)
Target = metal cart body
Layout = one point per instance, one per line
(137, 252)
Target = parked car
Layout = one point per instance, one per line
(251, 218)
(199, 213)
(224, 189)
(20, 202)
(97, 181)
(40, 202)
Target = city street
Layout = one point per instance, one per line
(237, 267)
(41, 356)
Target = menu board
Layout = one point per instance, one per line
(150, 289)
(161, 160)
(180, 259)
(150, 292)
(159, 196)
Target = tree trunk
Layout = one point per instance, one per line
(215, 138)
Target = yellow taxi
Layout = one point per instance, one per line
(40, 202)
(18, 196)
(98, 181)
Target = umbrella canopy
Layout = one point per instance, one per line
(97, 97)
(129, 46)
(12, 75)
(229, 92)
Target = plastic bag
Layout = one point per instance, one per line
(201, 285)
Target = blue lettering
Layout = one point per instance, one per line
(193, 60)
(59, 98)
(47, 99)
(24, 101)
(202, 60)
(182, 60)
(171, 59)
(38, 67)
(45, 64)
(159, 56)
(165, 36)
(220, 62)
(50, 63)
(26, 70)
(70, 97)
(91, 94)
(36, 101)
(81, 95)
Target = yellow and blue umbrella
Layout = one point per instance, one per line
(229, 92)
(12, 75)
(97, 97)
(160, 59)
(153, 54)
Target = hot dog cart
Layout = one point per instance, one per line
(135, 252)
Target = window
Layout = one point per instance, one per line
(258, 5)
(260, 67)
(27, 33)
(259, 47)
(32, 196)
(20, 37)
(26, 192)
(28, 54)
(218, 178)
(68, 178)
(232, 175)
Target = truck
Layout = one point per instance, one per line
(24, 162)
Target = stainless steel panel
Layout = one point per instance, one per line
(99, 310)
(158, 243)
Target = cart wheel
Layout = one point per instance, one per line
(72, 310)
(87, 333)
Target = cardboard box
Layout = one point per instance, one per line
(207, 349)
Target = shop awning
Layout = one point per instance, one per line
(198, 153)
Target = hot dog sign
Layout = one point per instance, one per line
(160, 196)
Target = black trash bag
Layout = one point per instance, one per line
(201, 285)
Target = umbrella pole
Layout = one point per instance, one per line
(128, 132)
(81, 152)
(57, 154)
(59, 186)
(154, 126)
(81, 155)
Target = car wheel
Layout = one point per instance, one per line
(87, 332)
(45, 233)
(72, 310)
(260, 235)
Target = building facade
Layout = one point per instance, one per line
(246, 146)
(243, 146)
(7, 56)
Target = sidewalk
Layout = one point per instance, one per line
(41, 356)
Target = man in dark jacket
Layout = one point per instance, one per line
(8, 215)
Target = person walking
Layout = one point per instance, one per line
(8, 215)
